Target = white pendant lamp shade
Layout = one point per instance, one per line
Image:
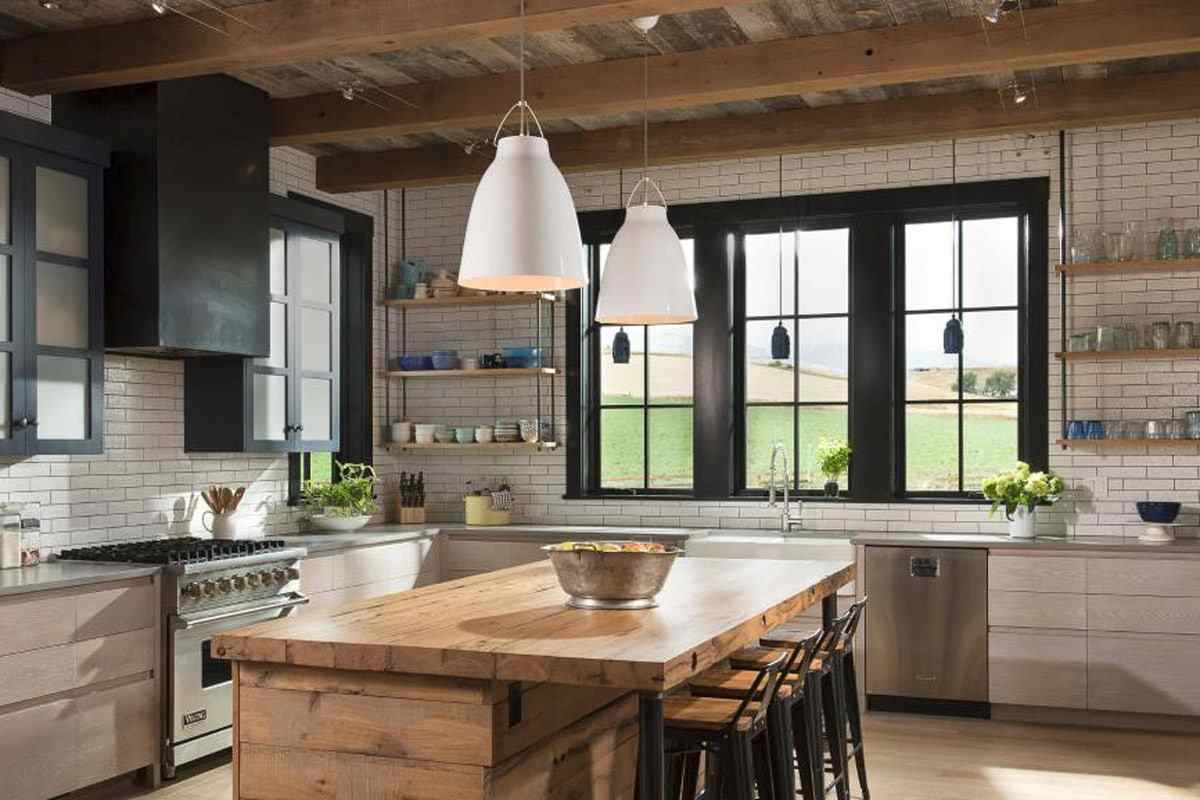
(522, 233)
(645, 280)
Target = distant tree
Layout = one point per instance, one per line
(1001, 383)
(970, 383)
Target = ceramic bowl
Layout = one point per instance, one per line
(470, 363)
(445, 359)
(529, 429)
(484, 434)
(1158, 513)
(521, 357)
(325, 522)
(444, 434)
(464, 435)
(410, 363)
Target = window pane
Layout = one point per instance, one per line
(622, 457)
(62, 213)
(278, 355)
(928, 264)
(62, 398)
(931, 446)
(768, 380)
(320, 466)
(5, 299)
(278, 262)
(316, 264)
(990, 354)
(763, 287)
(5, 202)
(62, 305)
(990, 266)
(622, 384)
(989, 441)
(823, 348)
(932, 374)
(270, 407)
(766, 425)
(818, 423)
(6, 389)
(824, 271)
(316, 333)
(670, 448)
(671, 361)
(316, 409)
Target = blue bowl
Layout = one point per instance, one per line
(522, 357)
(446, 359)
(412, 363)
(1158, 512)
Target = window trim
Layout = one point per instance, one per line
(875, 354)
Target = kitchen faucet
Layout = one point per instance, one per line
(787, 522)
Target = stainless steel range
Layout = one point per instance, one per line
(208, 587)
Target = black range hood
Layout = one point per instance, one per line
(186, 214)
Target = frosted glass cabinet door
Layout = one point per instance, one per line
(62, 213)
(62, 305)
(63, 398)
(270, 407)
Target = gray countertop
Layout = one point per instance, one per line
(66, 574)
(1110, 544)
(374, 535)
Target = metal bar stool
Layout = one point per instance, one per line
(733, 735)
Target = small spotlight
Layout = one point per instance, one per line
(49, 5)
(348, 93)
(159, 6)
(1018, 94)
(994, 10)
(644, 24)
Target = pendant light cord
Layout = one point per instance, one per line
(524, 127)
(646, 120)
(953, 228)
(781, 242)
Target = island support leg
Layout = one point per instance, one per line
(652, 783)
(828, 610)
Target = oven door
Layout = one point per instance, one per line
(201, 684)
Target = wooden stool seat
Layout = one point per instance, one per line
(789, 634)
(758, 658)
(731, 684)
(704, 713)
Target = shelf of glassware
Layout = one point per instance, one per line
(473, 446)
(1127, 444)
(1129, 267)
(1165, 354)
(521, 299)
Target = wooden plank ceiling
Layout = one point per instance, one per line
(736, 22)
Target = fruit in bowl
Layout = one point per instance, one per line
(613, 574)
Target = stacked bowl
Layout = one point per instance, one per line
(507, 431)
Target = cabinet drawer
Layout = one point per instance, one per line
(1038, 669)
(473, 555)
(1037, 574)
(117, 610)
(316, 574)
(1143, 576)
(373, 564)
(118, 656)
(115, 731)
(37, 751)
(366, 591)
(36, 620)
(1133, 614)
(1150, 673)
(24, 676)
(1037, 610)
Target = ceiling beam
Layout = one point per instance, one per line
(287, 31)
(1140, 98)
(1106, 30)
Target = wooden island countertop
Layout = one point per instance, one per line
(490, 687)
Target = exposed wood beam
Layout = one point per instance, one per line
(1139, 98)
(1106, 30)
(284, 31)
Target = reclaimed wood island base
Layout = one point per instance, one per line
(490, 687)
(309, 733)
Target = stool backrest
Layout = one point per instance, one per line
(853, 617)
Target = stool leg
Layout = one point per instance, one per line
(854, 717)
(783, 762)
(691, 776)
(835, 733)
(816, 749)
(741, 758)
(764, 774)
(802, 743)
(674, 775)
(715, 769)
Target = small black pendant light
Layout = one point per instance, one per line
(620, 349)
(781, 343)
(952, 336)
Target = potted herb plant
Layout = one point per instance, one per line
(346, 505)
(1019, 493)
(833, 459)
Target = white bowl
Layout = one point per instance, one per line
(484, 435)
(324, 522)
(425, 429)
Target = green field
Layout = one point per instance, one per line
(990, 446)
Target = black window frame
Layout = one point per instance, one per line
(876, 340)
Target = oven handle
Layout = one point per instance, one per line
(182, 624)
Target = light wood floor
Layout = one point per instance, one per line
(927, 758)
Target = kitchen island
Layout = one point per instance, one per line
(490, 686)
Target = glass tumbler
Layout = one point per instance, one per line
(1185, 332)
(1160, 335)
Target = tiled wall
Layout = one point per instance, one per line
(144, 484)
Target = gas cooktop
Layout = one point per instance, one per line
(181, 550)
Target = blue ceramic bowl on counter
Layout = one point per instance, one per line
(446, 359)
(413, 363)
(1158, 513)
(522, 357)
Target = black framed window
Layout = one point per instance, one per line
(798, 279)
(864, 290)
(644, 430)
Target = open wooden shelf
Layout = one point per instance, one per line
(527, 372)
(477, 300)
(1132, 355)
(1129, 267)
(1116, 444)
(474, 446)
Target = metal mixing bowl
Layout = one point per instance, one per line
(620, 580)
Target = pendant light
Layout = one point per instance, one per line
(522, 232)
(781, 343)
(620, 348)
(952, 336)
(645, 279)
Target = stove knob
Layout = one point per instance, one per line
(280, 576)
(265, 577)
(252, 579)
(192, 590)
(208, 588)
(293, 574)
(224, 585)
(239, 582)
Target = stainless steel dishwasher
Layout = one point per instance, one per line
(926, 629)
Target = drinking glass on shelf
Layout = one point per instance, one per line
(1192, 418)
(1082, 342)
(1177, 429)
(1117, 246)
(1081, 247)
(1185, 332)
(1191, 243)
(1135, 238)
(1160, 335)
(1135, 429)
(1168, 240)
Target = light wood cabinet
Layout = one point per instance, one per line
(1038, 669)
(372, 571)
(1144, 614)
(1037, 573)
(1037, 610)
(1143, 576)
(1143, 673)
(79, 698)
